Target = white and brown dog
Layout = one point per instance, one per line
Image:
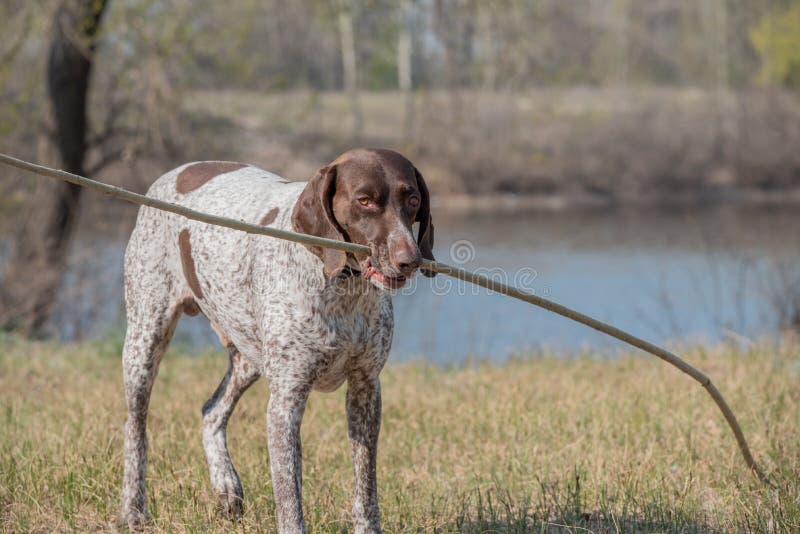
(304, 317)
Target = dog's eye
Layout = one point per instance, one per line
(365, 201)
(413, 202)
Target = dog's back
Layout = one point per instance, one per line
(220, 187)
(210, 268)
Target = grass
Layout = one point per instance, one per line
(538, 444)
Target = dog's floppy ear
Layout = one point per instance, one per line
(425, 236)
(313, 214)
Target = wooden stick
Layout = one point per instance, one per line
(455, 272)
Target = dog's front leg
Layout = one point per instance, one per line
(364, 425)
(284, 413)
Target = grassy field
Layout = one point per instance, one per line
(539, 444)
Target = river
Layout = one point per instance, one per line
(669, 275)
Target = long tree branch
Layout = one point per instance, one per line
(439, 267)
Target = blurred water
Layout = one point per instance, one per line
(665, 275)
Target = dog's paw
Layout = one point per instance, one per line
(133, 521)
(230, 505)
(229, 494)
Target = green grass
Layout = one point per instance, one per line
(538, 444)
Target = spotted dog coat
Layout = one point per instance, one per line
(303, 317)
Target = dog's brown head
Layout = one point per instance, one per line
(371, 197)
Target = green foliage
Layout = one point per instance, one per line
(777, 40)
(380, 73)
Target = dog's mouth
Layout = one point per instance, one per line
(373, 274)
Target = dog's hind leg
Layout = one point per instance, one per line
(152, 308)
(216, 412)
(150, 329)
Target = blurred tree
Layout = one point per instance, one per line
(347, 45)
(405, 44)
(777, 39)
(486, 39)
(621, 21)
(41, 248)
(454, 25)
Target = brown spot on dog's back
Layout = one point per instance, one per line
(187, 262)
(197, 174)
(269, 217)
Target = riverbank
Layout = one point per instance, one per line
(538, 443)
(484, 150)
(606, 144)
(521, 204)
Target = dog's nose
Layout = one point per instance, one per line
(406, 259)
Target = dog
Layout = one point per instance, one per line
(306, 318)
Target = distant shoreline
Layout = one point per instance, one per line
(506, 203)
(553, 149)
(512, 203)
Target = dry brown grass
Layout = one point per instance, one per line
(542, 444)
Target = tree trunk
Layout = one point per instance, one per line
(348, 46)
(42, 243)
(486, 39)
(404, 66)
(404, 46)
(621, 30)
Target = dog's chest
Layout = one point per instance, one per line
(358, 343)
(339, 333)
